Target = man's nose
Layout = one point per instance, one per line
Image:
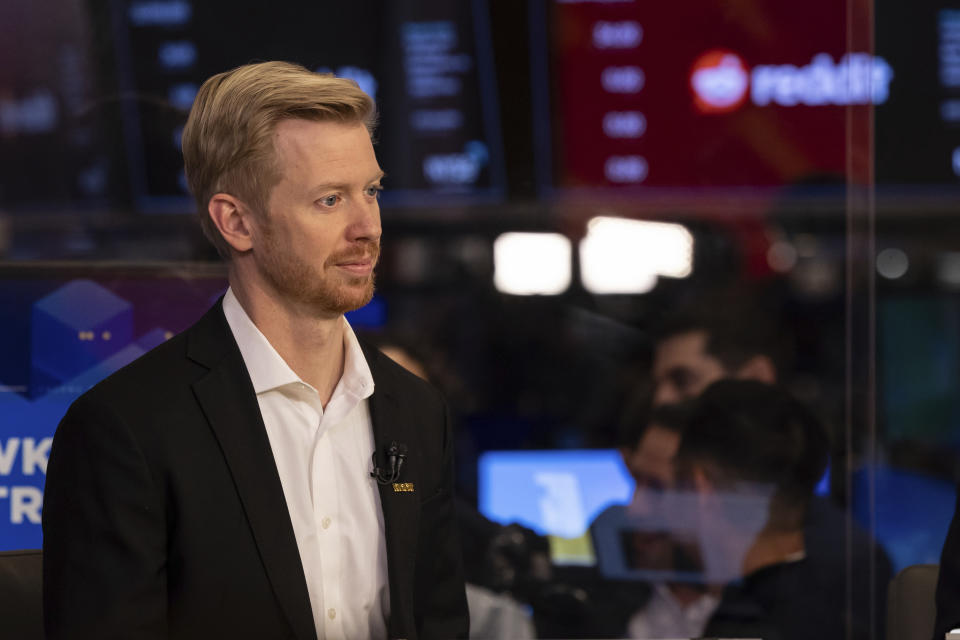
(666, 393)
(365, 224)
(643, 502)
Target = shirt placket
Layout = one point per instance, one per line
(325, 491)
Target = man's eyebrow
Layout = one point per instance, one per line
(340, 186)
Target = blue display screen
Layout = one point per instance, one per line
(555, 493)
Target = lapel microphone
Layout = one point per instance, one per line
(396, 453)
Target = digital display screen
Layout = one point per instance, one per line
(917, 139)
(555, 493)
(626, 94)
(552, 492)
(54, 147)
(729, 95)
(94, 95)
(423, 61)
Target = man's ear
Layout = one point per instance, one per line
(232, 220)
(759, 368)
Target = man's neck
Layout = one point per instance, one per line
(773, 547)
(310, 344)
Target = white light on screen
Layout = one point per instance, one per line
(626, 256)
(948, 268)
(532, 263)
(892, 263)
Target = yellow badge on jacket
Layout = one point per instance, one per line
(403, 487)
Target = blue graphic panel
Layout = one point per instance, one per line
(59, 339)
(73, 328)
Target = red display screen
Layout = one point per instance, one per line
(717, 94)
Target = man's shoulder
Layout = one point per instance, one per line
(153, 368)
(153, 389)
(395, 379)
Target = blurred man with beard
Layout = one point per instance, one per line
(673, 601)
(722, 336)
(263, 474)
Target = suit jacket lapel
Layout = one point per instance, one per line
(401, 510)
(230, 405)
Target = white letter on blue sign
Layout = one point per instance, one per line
(34, 456)
(7, 455)
(26, 501)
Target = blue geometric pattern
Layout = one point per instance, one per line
(72, 329)
(79, 334)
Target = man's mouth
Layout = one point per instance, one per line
(357, 263)
(358, 267)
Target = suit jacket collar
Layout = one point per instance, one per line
(229, 402)
(401, 510)
(226, 395)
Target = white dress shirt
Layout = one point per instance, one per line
(323, 455)
(665, 617)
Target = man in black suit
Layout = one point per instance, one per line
(263, 474)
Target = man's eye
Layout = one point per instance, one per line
(374, 191)
(682, 378)
(329, 201)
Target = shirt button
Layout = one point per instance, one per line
(325, 523)
(332, 613)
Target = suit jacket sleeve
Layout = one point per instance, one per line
(948, 584)
(104, 573)
(444, 609)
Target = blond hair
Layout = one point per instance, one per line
(228, 139)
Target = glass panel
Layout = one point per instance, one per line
(685, 275)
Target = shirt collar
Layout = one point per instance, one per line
(357, 379)
(702, 606)
(268, 370)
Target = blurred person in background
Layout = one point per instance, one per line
(662, 607)
(749, 460)
(750, 457)
(694, 346)
(723, 336)
(733, 335)
(491, 551)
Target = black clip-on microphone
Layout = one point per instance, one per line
(396, 453)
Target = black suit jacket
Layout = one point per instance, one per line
(164, 515)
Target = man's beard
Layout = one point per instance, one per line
(328, 289)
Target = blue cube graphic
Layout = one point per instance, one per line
(72, 329)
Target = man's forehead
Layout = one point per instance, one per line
(299, 133)
(325, 144)
(688, 343)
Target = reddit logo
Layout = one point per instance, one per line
(719, 81)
